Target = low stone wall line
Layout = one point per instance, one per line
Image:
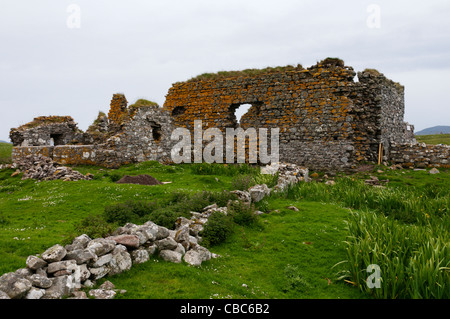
(61, 271)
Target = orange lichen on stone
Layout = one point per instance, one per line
(118, 112)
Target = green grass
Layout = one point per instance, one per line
(414, 259)
(403, 227)
(434, 139)
(5, 153)
(246, 73)
(286, 254)
(307, 242)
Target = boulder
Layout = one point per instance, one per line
(102, 293)
(258, 192)
(84, 273)
(151, 249)
(100, 261)
(243, 196)
(54, 253)
(193, 258)
(81, 256)
(24, 272)
(148, 231)
(182, 236)
(139, 256)
(40, 281)
(121, 260)
(433, 171)
(271, 169)
(180, 249)
(61, 265)
(61, 286)
(4, 295)
(35, 293)
(14, 286)
(82, 240)
(101, 246)
(166, 244)
(162, 233)
(35, 263)
(204, 253)
(99, 272)
(107, 285)
(130, 241)
(142, 237)
(170, 255)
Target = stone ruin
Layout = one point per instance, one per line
(128, 134)
(327, 120)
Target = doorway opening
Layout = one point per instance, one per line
(56, 139)
(156, 131)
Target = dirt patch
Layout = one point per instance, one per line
(365, 168)
(139, 179)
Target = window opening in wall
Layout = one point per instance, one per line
(237, 111)
(56, 139)
(156, 131)
(179, 110)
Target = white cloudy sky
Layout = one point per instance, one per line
(140, 48)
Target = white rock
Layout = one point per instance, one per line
(170, 255)
(35, 293)
(54, 253)
(193, 258)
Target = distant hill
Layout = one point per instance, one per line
(442, 129)
(5, 142)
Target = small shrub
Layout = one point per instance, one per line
(187, 202)
(242, 213)
(217, 229)
(294, 280)
(268, 179)
(263, 206)
(93, 226)
(165, 217)
(242, 182)
(130, 211)
(115, 177)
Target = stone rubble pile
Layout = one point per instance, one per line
(288, 174)
(62, 271)
(43, 168)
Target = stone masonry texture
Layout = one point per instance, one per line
(329, 117)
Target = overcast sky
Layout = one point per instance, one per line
(52, 63)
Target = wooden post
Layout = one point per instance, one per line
(380, 149)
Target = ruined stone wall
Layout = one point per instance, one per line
(97, 155)
(146, 137)
(47, 130)
(24, 151)
(420, 155)
(126, 136)
(326, 119)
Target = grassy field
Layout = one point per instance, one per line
(5, 153)
(320, 251)
(434, 139)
